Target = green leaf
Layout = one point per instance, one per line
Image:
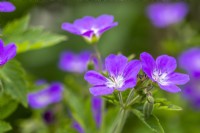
(7, 106)
(163, 104)
(29, 38)
(4, 126)
(13, 81)
(152, 122)
(17, 26)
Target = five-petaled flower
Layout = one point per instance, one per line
(162, 72)
(121, 75)
(49, 95)
(165, 14)
(7, 52)
(6, 6)
(72, 62)
(89, 27)
(189, 60)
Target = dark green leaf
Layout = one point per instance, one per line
(13, 80)
(29, 38)
(152, 122)
(4, 126)
(7, 106)
(163, 104)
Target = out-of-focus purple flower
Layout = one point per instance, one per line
(6, 6)
(162, 72)
(49, 95)
(121, 75)
(7, 52)
(97, 104)
(192, 93)
(41, 82)
(72, 62)
(165, 14)
(90, 27)
(190, 61)
(49, 117)
(78, 127)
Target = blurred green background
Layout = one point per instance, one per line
(134, 34)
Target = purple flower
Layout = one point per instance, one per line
(190, 61)
(192, 93)
(165, 14)
(162, 72)
(49, 95)
(97, 105)
(72, 62)
(121, 75)
(78, 127)
(90, 27)
(41, 82)
(7, 52)
(6, 6)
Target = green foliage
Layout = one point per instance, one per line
(4, 126)
(13, 81)
(163, 104)
(29, 38)
(151, 122)
(7, 106)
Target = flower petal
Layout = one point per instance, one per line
(178, 78)
(170, 88)
(10, 51)
(115, 64)
(6, 7)
(104, 22)
(1, 46)
(95, 78)
(132, 69)
(84, 24)
(70, 28)
(101, 90)
(128, 84)
(97, 103)
(148, 63)
(166, 64)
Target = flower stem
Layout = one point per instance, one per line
(121, 99)
(98, 54)
(133, 100)
(130, 96)
(122, 120)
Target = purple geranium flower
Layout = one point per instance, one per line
(7, 52)
(162, 72)
(72, 62)
(90, 27)
(121, 75)
(165, 14)
(78, 127)
(192, 93)
(97, 104)
(190, 61)
(6, 6)
(49, 95)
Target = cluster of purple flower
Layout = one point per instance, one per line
(123, 74)
(189, 60)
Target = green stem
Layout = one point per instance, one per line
(132, 101)
(98, 56)
(121, 122)
(121, 99)
(130, 95)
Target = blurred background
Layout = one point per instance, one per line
(134, 34)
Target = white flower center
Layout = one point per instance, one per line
(160, 77)
(115, 82)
